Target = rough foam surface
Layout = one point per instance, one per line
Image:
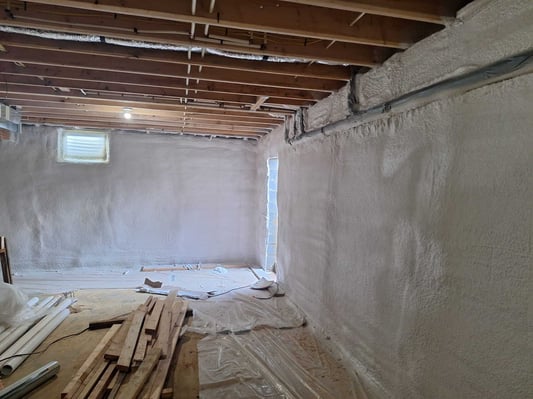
(160, 200)
(407, 239)
(486, 31)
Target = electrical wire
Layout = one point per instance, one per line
(47, 346)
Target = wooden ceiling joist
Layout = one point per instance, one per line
(25, 84)
(12, 98)
(417, 10)
(82, 75)
(164, 69)
(319, 71)
(140, 126)
(270, 16)
(227, 67)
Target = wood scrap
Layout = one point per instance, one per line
(153, 319)
(100, 388)
(89, 363)
(142, 344)
(106, 323)
(153, 284)
(140, 376)
(115, 347)
(128, 349)
(101, 377)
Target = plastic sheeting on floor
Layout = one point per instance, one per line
(240, 311)
(269, 363)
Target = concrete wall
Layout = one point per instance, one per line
(160, 200)
(408, 239)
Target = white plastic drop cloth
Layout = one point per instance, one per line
(14, 307)
(240, 311)
(270, 363)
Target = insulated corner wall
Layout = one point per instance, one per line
(160, 200)
(407, 239)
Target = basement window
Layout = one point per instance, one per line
(75, 146)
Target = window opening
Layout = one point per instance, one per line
(272, 213)
(82, 147)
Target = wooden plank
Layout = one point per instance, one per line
(164, 365)
(115, 347)
(118, 382)
(153, 319)
(185, 377)
(137, 380)
(165, 323)
(99, 390)
(85, 369)
(142, 344)
(91, 380)
(126, 354)
(113, 382)
(99, 324)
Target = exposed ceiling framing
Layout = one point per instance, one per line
(231, 68)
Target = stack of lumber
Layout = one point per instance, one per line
(133, 358)
(48, 314)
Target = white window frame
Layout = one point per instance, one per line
(63, 157)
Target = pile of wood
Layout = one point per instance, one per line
(46, 315)
(133, 359)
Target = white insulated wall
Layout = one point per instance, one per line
(160, 200)
(408, 240)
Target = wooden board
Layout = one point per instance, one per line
(137, 380)
(100, 388)
(152, 320)
(115, 347)
(87, 366)
(128, 349)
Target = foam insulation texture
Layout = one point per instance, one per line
(485, 31)
(408, 241)
(160, 200)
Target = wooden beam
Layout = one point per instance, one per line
(342, 53)
(13, 99)
(19, 84)
(273, 17)
(333, 72)
(68, 114)
(164, 69)
(126, 355)
(260, 100)
(416, 10)
(85, 75)
(44, 109)
(143, 128)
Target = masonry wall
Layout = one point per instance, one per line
(407, 239)
(160, 200)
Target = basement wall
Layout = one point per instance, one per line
(160, 200)
(408, 240)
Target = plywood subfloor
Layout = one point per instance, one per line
(71, 352)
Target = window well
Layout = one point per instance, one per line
(83, 147)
